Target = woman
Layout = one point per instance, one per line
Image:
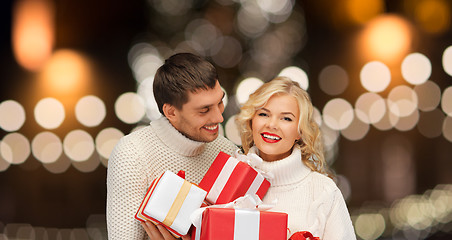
(277, 124)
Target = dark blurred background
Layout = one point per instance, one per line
(77, 75)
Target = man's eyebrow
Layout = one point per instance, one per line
(207, 106)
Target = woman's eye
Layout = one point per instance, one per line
(288, 119)
(262, 114)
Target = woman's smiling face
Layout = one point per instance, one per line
(275, 127)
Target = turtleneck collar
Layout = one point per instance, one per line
(286, 171)
(172, 138)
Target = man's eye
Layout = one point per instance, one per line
(204, 111)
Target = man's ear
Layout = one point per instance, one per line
(169, 111)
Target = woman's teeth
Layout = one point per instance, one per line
(271, 137)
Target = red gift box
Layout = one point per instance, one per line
(170, 200)
(228, 179)
(304, 235)
(241, 224)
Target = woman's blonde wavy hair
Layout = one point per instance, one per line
(310, 144)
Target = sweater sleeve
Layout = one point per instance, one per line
(338, 223)
(125, 190)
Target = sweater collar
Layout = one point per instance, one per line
(286, 171)
(172, 138)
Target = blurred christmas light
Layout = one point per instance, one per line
(46, 147)
(375, 76)
(90, 111)
(416, 68)
(386, 38)
(12, 115)
(333, 80)
(33, 32)
(78, 145)
(49, 113)
(338, 114)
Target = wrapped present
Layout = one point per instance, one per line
(234, 221)
(303, 235)
(170, 201)
(229, 178)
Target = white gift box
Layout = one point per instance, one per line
(170, 201)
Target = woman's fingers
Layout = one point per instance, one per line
(159, 232)
(152, 231)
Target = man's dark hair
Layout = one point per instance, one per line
(179, 74)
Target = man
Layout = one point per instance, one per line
(189, 96)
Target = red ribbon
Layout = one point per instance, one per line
(303, 235)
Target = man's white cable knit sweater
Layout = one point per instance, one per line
(143, 155)
(313, 201)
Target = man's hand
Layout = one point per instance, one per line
(159, 232)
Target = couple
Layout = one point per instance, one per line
(276, 123)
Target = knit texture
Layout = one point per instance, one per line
(143, 155)
(313, 201)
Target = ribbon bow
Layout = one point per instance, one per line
(249, 201)
(303, 235)
(254, 161)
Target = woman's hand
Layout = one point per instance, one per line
(159, 232)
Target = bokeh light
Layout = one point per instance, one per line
(406, 123)
(338, 114)
(446, 101)
(4, 165)
(370, 226)
(106, 140)
(66, 72)
(246, 87)
(12, 115)
(370, 107)
(317, 116)
(144, 61)
(90, 111)
(49, 113)
(61, 165)
(447, 60)
(78, 145)
(232, 132)
(375, 76)
(386, 38)
(130, 107)
(46, 147)
(15, 148)
(430, 123)
(33, 32)
(172, 7)
(88, 165)
(296, 74)
(251, 20)
(226, 52)
(429, 95)
(447, 128)
(146, 92)
(357, 130)
(433, 16)
(416, 68)
(333, 80)
(203, 32)
(402, 101)
(360, 12)
(388, 121)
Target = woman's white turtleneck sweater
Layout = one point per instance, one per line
(312, 200)
(139, 158)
